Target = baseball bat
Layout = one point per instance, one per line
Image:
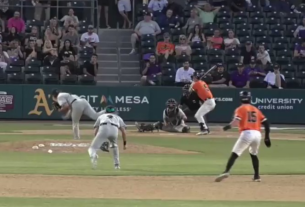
(212, 68)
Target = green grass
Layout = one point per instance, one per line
(41, 202)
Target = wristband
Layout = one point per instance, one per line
(125, 142)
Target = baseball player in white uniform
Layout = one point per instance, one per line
(107, 128)
(75, 107)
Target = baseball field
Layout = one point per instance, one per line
(157, 169)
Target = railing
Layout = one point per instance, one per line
(84, 10)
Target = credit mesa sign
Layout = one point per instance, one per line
(276, 103)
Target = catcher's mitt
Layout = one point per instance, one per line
(105, 147)
(55, 105)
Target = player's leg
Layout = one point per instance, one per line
(182, 128)
(205, 108)
(76, 114)
(253, 150)
(169, 128)
(240, 146)
(95, 145)
(113, 138)
(90, 112)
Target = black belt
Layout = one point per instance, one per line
(73, 101)
(110, 123)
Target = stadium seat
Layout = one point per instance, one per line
(35, 22)
(298, 61)
(51, 79)
(31, 69)
(210, 26)
(215, 59)
(168, 80)
(87, 50)
(282, 60)
(289, 67)
(240, 14)
(148, 50)
(232, 59)
(231, 52)
(272, 21)
(240, 20)
(279, 27)
(288, 74)
(16, 62)
(256, 20)
(261, 26)
(223, 20)
(232, 67)
(275, 33)
(209, 32)
(168, 65)
(48, 69)
(293, 83)
(259, 33)
(148, 43)
(13, 69)
(279, 46)
(86, 80)
(168, 71)
(288, 21)
(257, 14)
(242, 33)
(34, 63)
(252, 9)
(15, 78)
(147, 37)
(33, 78)
(282, 39)
(245, 39)
(200, 66)
(285, 52)
(301, 75)
(198, 51)
(182, 58)
(212, 52)
(257, 82)
(291, 15)
(273, 14)
(3, 77)
(265, 39)
(226, 26)
(199, 59)
(223, 14)
(69, 79)
(268, 9)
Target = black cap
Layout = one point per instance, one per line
(240, 64)
(276, 66)
(219, 65)
(147, 13)
(252, 62)
(248, 43)
(55, 92)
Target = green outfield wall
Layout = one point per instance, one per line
(147, 103)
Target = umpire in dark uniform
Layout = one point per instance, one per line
(190, 99)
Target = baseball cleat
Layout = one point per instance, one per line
(117, 167)
(257, 179)
(203, 132)
(94, 162)
(222, 177)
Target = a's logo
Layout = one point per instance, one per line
(105, 100)
(41, 104)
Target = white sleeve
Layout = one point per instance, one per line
(122, 123)
(82, 38)
(266, 77)
(97, 39)
(178, 78)
(164, 115)
(61, 100)
(97, 123)
(297, 30)
(6, 55)
(237, 41)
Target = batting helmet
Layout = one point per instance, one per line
(245, 96)
(197, 75)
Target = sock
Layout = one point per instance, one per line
(116, 155)
(255, 163)
(201, 126)
(231, 161)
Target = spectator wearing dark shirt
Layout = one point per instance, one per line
(34, 36)
(299, 51)
(220, 77)
(238, 5)
(282, 6)
(168, 21)
(151, 69)
(68, 47)
(247, 53)
(66, 65)
(52, 60)
(90, 68)
(12, 35)
(239, 78)
(254, 71)
(32, 52)
(175, 7)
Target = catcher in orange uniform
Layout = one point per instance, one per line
(249, 119)
(208, 102)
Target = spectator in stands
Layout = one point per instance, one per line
(231, 41)
(183, 47)
(193, 21)
(4, 58)
(124, 7)
(41, 7)
(220, 77)
(238, 5)
(299, 50)
(254, 71)
(184, 74)
(144, 27)
(66, 65)
(197, 35)
(216, 40)
(247, 53)
(151, 69)
(33, 36)
(16, 22)
(284, 6)
(168, 21)
(54, 32)
(208, 13)
(165, 49)
(300, 30)
(4, 9)
(90, 68)
(71, 35)
(90, 38)
(175, 7)
(2, 25)
(68, 47)
(156, 6)
(14, 50)
(274, 78)
(47, 48)
(12, 35)
(70, 19)
(263, 55)
(239, 78)
(52, 60)
(105, 5)
(32, 52)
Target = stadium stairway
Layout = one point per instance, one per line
(116, 66)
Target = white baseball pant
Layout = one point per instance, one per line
(204, 109)
(248, 139)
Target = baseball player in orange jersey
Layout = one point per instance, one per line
(206, 96)
(249, 119)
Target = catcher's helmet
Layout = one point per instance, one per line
(110, 109)
(171, 103)
(245, 96)
(55, 92)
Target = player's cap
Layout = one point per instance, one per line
(55, 92)
(245, 96)
(110, 109)
(252, 62)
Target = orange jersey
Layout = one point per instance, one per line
(250, 117)
(202, 90)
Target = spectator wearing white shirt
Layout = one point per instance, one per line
(263, 55)
(157, 6)
(90, 38)
(184, 74)
(70, 19)
(231, 41)
(300, 30)
(274, 78)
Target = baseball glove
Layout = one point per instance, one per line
(105, 147)
(55, 106)
(267, 142)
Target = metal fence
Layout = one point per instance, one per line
(83, 9)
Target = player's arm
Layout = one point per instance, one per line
(123, 130)
(64, 106)
(165, 118)
(234, 122)
(96, 126)
(182, 115)
(267, 131)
